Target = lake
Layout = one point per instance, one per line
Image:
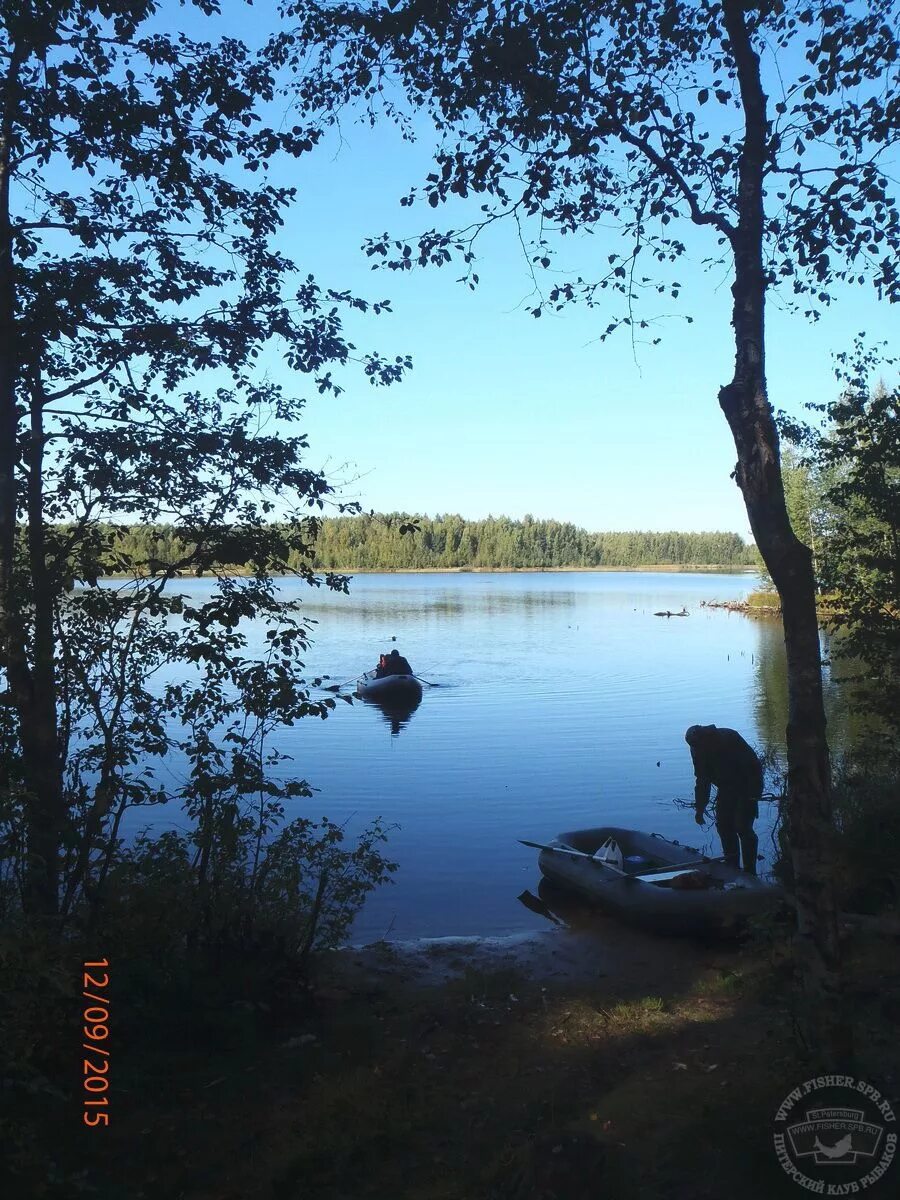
(562, 702)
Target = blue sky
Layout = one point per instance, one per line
(504, 413)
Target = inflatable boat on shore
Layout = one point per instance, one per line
(655, 883)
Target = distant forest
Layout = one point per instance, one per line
(451, 541)
(376, 541)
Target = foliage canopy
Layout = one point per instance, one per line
(847, 489)
(143, 280)
(618, 119)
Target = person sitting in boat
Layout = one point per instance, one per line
(723, 758)
(396, 664)
(382, 669)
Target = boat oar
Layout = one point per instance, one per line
(577, 854)
(428, 681)
(336, 687)
(697, 862)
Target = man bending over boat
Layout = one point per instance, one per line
(723, 758)
(393, 664)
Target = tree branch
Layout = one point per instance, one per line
(666, 167)
(81, 384)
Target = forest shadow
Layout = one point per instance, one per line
(659, 1083)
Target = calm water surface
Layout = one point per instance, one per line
(562, 703)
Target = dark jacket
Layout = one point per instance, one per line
(397, 665)
(723, 758)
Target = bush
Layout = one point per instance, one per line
(197, 964)
(302, 894)
(865, 790)
(867, 817)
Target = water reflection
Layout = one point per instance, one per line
(566, 908)
(536, 905)
(845, 724)
(561, 907)
(396, 712)
(371, 608)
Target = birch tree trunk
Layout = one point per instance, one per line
(745, 404)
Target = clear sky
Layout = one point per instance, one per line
(506, 414)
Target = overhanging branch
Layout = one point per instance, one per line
(666, 167)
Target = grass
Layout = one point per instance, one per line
(655, 1082)
(493, 1086)
(829, 605)
(764, 600)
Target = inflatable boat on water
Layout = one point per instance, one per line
(389, 689)
(660, 885)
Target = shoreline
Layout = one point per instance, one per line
(743, 607)
(583, 945)
(574, 1062)
(824, 610)
(663, 568)
(655, 568)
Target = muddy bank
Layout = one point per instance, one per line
(598, 948)
(572, 1063)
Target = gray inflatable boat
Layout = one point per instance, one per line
(389, 688)
(655, 883)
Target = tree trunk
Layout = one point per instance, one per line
(758, 473)
(31, 689)
(8, 360)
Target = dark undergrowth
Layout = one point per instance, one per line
(490, 1087)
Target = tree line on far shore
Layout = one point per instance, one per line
(398, 541)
